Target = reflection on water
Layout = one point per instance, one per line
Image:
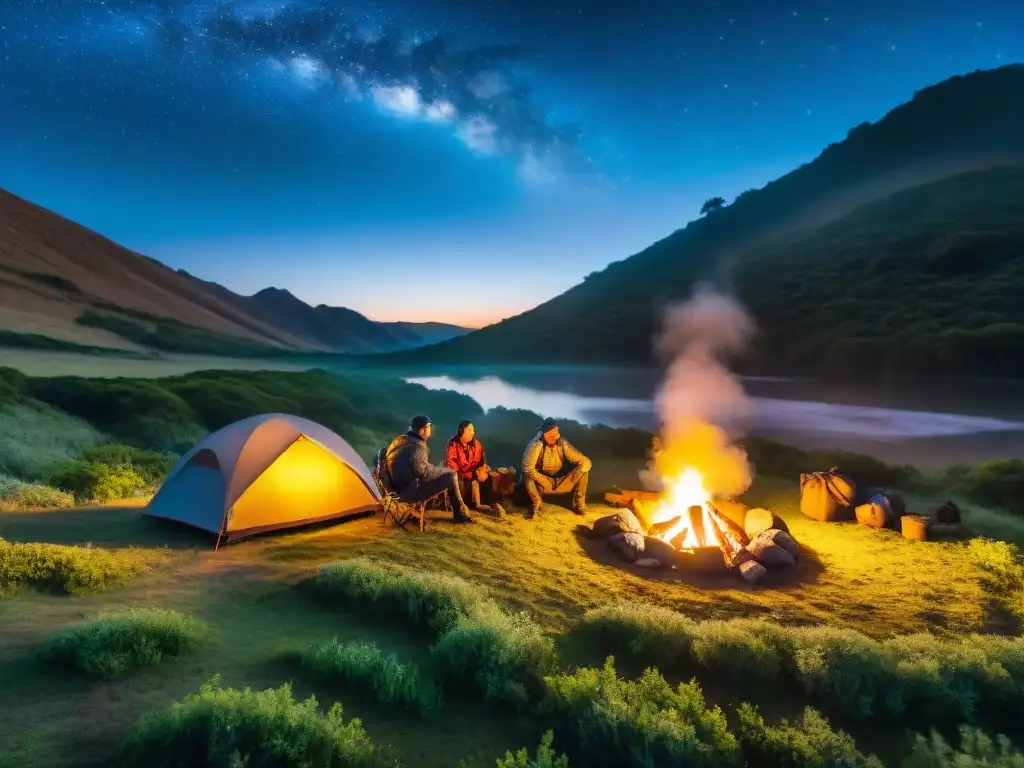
(771, 415)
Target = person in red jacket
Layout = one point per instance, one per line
(465, 455)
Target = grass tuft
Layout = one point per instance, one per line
(17, 495)
(503, 656)
(429, 600)
(364, 665)
(545, 758)
(224, 727)
(115, 646)
(808, 743)
(641, 723)
(71, 570)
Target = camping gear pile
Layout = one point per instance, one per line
(747, 542)
(832, 497)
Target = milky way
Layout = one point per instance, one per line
(490, 153)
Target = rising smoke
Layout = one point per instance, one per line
(702, 406)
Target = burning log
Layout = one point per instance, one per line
(621, 498)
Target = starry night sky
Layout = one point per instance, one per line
(443, 159)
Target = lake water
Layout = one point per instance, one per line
(929, 426)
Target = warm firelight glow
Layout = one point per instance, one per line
(685, 491)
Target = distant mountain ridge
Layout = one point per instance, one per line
(966, 123)
(62, 281)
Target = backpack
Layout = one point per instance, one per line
(827, 496)
(876, 513)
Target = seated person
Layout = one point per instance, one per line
(465, 456)
(413, 477)
(551, 465)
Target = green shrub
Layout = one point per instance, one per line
(546, 757)
(808, 743)
(616, 722)
(503, 656)
(998, 483)
(977, 750)
(364, 665)
(71, 570)
(93, 481)
(118, 645)
(920, 677)
(118, 483)
(153, 466)
(226, 728)
(781, 460)
(34, 437)
(16, 495)
(429, 600)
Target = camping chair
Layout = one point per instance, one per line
(398, 510)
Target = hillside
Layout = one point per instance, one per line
(62, 282)
(764, 241)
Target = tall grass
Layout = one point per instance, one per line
(427, 600)
(503, 656)
(227, 728)
(18, 495)
(976, 750)
(921, 677)
(35, 437)
(365, 666)
(1003, 567)
(71, 570)
(624, 723)
(545, 758)
(808, 743)
(114, 646)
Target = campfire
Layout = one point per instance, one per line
(683, 527)
(685, 516)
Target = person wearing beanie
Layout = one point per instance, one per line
(553, 466)
(414, 478)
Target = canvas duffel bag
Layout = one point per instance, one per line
(827, 496)
(876, 513)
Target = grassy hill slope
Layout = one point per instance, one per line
(62, 284)
(960, 125)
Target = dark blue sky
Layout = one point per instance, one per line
(443, 159)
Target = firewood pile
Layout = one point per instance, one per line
(720, 536)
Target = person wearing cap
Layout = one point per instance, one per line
(414, 478)
(553, 466)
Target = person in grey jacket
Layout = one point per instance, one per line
(552, 465)
(414, 478)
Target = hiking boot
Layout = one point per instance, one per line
(499, 510)
(580, 509)
(462, 517)
(534, 512)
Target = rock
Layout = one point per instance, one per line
(660, 550)
(628, 546)
(752, 571)
(623, 521)
(648, 562)
(785, 540)
(768, 552)
(759, 520)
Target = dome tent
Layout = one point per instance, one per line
(263, 473)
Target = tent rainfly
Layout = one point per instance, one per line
(263, 473)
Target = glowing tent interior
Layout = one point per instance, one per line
(263, 473)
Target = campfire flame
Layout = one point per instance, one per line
(680, 494)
